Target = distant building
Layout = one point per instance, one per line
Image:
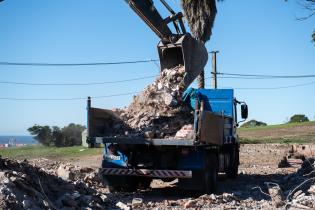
(84, 138)
(12, 142)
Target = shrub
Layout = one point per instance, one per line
(298, 118)
(253, 123)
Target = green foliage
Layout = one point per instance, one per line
(43, 134)
(253, 123)
(72, 134)
(60, 137)
(298, 118)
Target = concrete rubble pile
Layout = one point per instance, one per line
(299, 187)
(223, 201)
(293, 191)
(158, 112)
(24, 186)
(46, 184)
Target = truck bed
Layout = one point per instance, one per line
(156, 142)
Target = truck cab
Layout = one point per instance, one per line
(132, 162)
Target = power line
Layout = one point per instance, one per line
(76, 84)
(133, 93)
(273, 88)
(66, 99)
(117, 81)
(267, 76)
(4, 63)
(254, 78)
(7, 63)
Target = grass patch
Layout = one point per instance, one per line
(286, 125)
(297, 140)
(38, 151)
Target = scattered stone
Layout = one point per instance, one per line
(297, 193)
(19, 189)
(122, 206)
(149, 134)
(103, 197)
(186, 132)
(137, 202)
(312, 190)
(276, 195)
(25, 186)
(27, 204)
(284, 163)
(64, 172)
(190, 204)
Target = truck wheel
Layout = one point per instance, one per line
(144, 183)
(130, 183)
(120, 183)
(232, 171)
(112, 183)
(211, 173)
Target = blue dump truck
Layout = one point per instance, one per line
(129, 163)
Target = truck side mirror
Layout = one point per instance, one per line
(244, 111)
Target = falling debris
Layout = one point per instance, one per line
(158, 112)
(200, 16)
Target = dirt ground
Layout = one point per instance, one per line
(258, 168)
(258, 165)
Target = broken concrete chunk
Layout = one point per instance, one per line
(63, 172)
(158, 104)
(149, 134)
(276, 195)
(137, 202)
(284, 163)
(312, 190)
(186, 132)
(122, 206)
(190, 204)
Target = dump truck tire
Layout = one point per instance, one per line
(120, 183)
(232, 171)
(112, 183)
(144, 183)
(211, 173)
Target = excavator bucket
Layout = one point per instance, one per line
(186, 51)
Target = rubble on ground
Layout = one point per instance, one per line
(47, 184)
(24, 186)
(158, 112)
(284, 163)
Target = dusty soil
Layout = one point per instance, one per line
(259, 167)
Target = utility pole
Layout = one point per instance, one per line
(214, 69)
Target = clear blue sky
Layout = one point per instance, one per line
(254, 37)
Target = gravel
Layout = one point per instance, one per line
(41, 184)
